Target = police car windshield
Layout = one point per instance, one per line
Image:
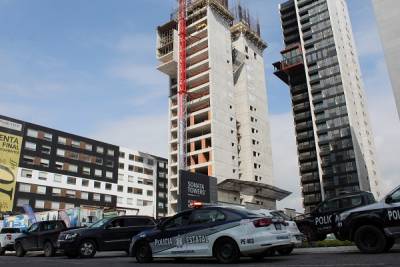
(99, 223)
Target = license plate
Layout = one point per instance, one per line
(278, 226)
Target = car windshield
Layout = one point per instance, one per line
(99, 223)
(10, 230)
(280, 214)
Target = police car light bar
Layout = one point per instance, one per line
(196, 204)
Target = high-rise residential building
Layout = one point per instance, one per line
(387, 16)
(335, 144)
(227, 122)
(55, 170)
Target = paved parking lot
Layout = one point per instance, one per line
(324, 257)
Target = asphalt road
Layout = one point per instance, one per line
(325, 257)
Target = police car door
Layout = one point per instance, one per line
(324, 220)
(169, 241)
(392, 206)
(204, 223)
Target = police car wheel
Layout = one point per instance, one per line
(143, 253)
(226, 251)
(370, 239)
(285, 251)
(49, 250)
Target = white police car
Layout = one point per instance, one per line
(296, 237)
(225, 233)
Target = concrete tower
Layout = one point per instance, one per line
(227, 125)
(336, 149)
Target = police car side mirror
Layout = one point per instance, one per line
(388, 200)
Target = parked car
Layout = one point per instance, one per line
(108, 234)
(225, 233)
(40, 236)
(323, 219)
(375, 227)
(7, 239)
(296, 237)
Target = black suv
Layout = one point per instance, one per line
(108, 234)
(323, 219)
(40, 236)
(375, 227)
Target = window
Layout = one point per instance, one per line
(70, 193)
(149, 193)
(57, 178)
(131, 157)
(138, 191)
(98, 172)
(121, 155)
(76, 144)
(161, 164)
(178, 221)
(59, 165)
(25, 188)
(32, 133)
(46, 150)
(120, 188)
(44, 163)
(97, 184)
(71, 180)
(130, 168)
(72, 168)
(69, 206)
(110, 152)
(130, 190)
(107, 198)
(138, 159)
(120, 177)
(60, 152)
(62, 140)
(85, 195)
(85, 182)
(28, 159)
(39, 204)
(41, 190)
(55, 205)
(150, 162)
(110, 163)
(108, 186)
(26, 173)
(56, 191)
(109, 174)
(330, 206)
(207, 216)
(42, 176)
(99, 161)
(100, 149)
(30, 146)
(88, 147)
(22, 201)
(47, 136)
(96, 197)
(121, 166)
(86, 170)
(396, 196)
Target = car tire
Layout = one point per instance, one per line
(49, 249)
(285, 251)
(370, 239)
(87, 249)
(226, 251)
(143, 252)
(19, 250)
(389, 244)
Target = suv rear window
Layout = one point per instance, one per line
(10, 231)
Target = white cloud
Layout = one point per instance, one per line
(145, 133)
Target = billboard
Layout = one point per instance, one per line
(196, 187)
(10, 149)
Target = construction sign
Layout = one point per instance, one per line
(10, 149)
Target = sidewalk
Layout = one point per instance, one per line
(326, 249)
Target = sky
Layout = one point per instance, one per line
(89, 67)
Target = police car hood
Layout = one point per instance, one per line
(374, 206)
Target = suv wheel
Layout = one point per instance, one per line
(49, 250)
(19, 250)
(285, 251)
(143, 252)
(87, 249)
(370, 239)
(226, 251)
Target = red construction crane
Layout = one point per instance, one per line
(182, 90)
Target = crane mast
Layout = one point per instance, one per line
(182, 90)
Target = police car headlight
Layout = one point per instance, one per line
(71, 236)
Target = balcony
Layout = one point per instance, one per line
(291, 64)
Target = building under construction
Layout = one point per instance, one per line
(213, 55)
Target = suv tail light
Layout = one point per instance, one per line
(264, 222)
